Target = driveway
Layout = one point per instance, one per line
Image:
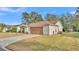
(6, 41)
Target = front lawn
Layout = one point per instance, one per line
(8, 34)
(47, 43)
(72, 34)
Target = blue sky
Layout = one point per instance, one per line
(13, 15)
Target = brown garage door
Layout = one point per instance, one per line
(36, 30)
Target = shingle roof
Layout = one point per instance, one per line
(43, 23)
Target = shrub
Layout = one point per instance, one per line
(14, 29)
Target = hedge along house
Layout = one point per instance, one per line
(44, 27)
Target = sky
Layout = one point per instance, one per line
(13, 15)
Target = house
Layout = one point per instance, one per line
(43, 27)
(3, 29)
(22, 28)
(7, 28)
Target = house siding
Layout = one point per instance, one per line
(60, 27)
(18, 28)
(53, 30)
(45, 30)
(50, 30)
(26, 30)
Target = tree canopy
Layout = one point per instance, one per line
(32, 17)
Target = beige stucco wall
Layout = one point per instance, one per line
(45, 30)
(4, 30)
(26, 29)
(50, 30)
(53, 30)
(18, 28)
(60, 27)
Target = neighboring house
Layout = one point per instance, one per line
(5, 29)
(42, 27)
(22, 28)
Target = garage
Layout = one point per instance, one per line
(36, 30)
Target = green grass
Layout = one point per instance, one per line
(62, 42)
(72, 34)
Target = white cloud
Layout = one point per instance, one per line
(7, 9)
(72, 12)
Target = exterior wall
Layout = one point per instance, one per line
(26, 30)
(52, 30)
(29, 32)
(60, 27)
(56, 29)
(45, 30)
(4, 30)
(18, 28)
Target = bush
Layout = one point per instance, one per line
(14, 29)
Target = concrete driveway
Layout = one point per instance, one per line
(6, 41)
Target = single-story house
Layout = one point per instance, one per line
(7, 28)
(42, 27)
(22, 28)
(3, 29)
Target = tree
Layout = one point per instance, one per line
(51, 17)
(77, 12)
(39, 18)
(66, 20)
(63, 21)
(35, 17)
(32, 17)
(26, 18)
(75, 22)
